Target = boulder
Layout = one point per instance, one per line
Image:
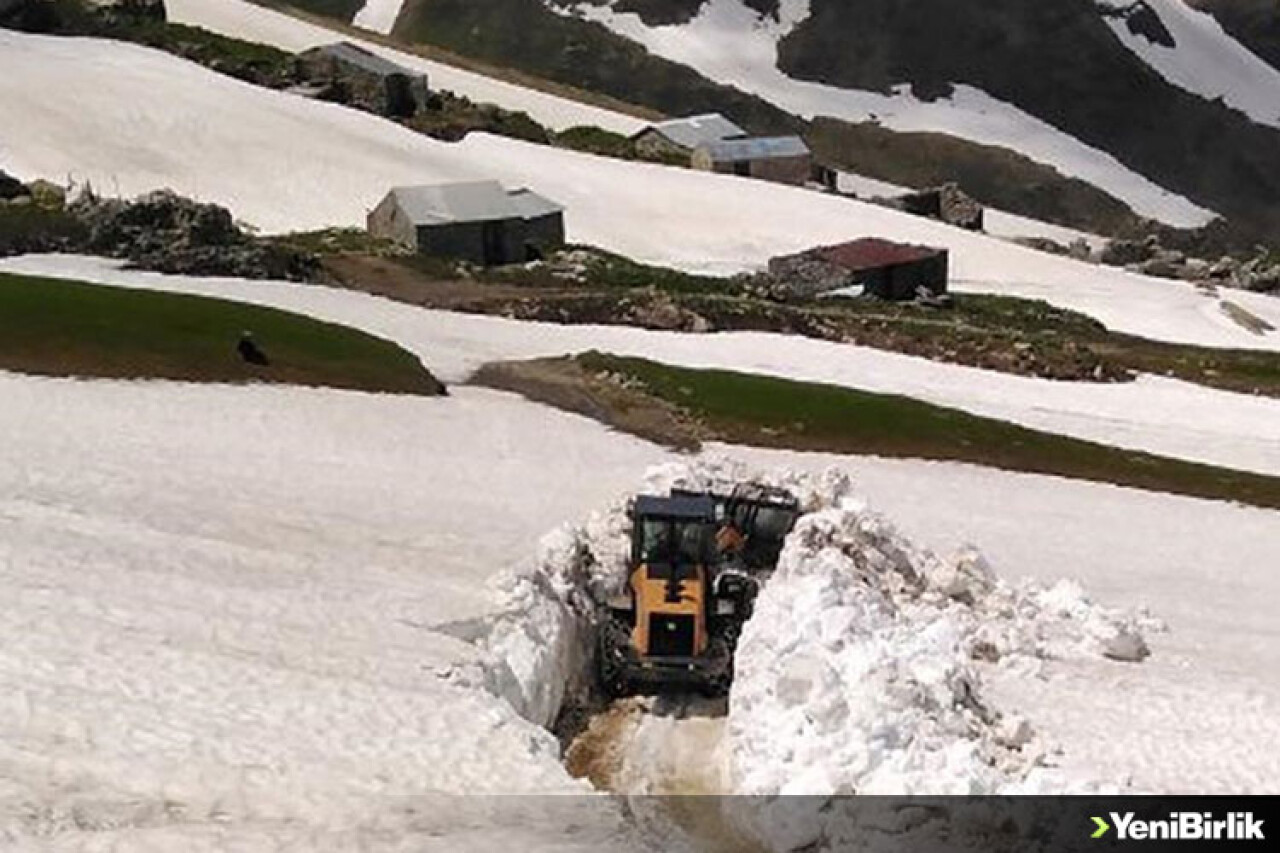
(947, 203)
(1124, 252)
(165, 232)
(804, 275)
(11, 187)
(47, 194)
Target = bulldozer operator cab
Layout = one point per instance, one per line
(673, 543)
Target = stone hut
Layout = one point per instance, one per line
(888, 270)
(680, 137)
(358, 76)
(477, 221)
(783, 159)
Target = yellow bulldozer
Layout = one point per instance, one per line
(697, 559)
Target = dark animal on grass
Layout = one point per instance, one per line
(250, 352)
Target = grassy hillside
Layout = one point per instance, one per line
(64, 328)
(1057, 60)
(768, 412)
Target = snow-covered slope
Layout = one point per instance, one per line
(378, 16)
(285, 163)
(250, 22)
(1154, 414)
(220, 606)
(1203, 568)
(1205, 61)
(731, 43)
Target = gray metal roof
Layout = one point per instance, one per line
(698, 130)
(757, 148)
(471, 201)
(356, 55)
(531, 205)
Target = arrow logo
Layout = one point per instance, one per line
(1103, 826)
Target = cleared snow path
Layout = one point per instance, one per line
(733, 44)
(1154, 414)
(250, 22)
(1205, 60)
(287, 163)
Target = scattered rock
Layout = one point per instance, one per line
(47, 194)
(661, 312)
(1124, 252)
(165, 232)
(947, 203)
(11, 187)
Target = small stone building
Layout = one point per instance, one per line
(680, 137)
(477, 221)
(888, 270)
(946, 203)
(784, 159)
(357, 76)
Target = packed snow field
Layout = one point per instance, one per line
(1205, 60)
(731, 43)
(1154, 414)
(318, 165)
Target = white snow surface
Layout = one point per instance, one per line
(1158, 415)
(1206, 61)
(733, 44)
(1198, 716)
(223, 611)
(244, 20)
(287, 163)
(378, 16)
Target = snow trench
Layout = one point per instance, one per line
(861, 670)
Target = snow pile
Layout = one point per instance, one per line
(539, 647)
(859, 671)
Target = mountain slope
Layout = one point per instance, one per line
(1065, 82)
(317, 165)
(1254, 23)
(1060, 61)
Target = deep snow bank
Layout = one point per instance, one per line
(861, 668)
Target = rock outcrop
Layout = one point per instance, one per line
(165, 232)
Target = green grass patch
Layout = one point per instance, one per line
(65, 328)
(610, 271)
(34, 228)
(765, 411)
